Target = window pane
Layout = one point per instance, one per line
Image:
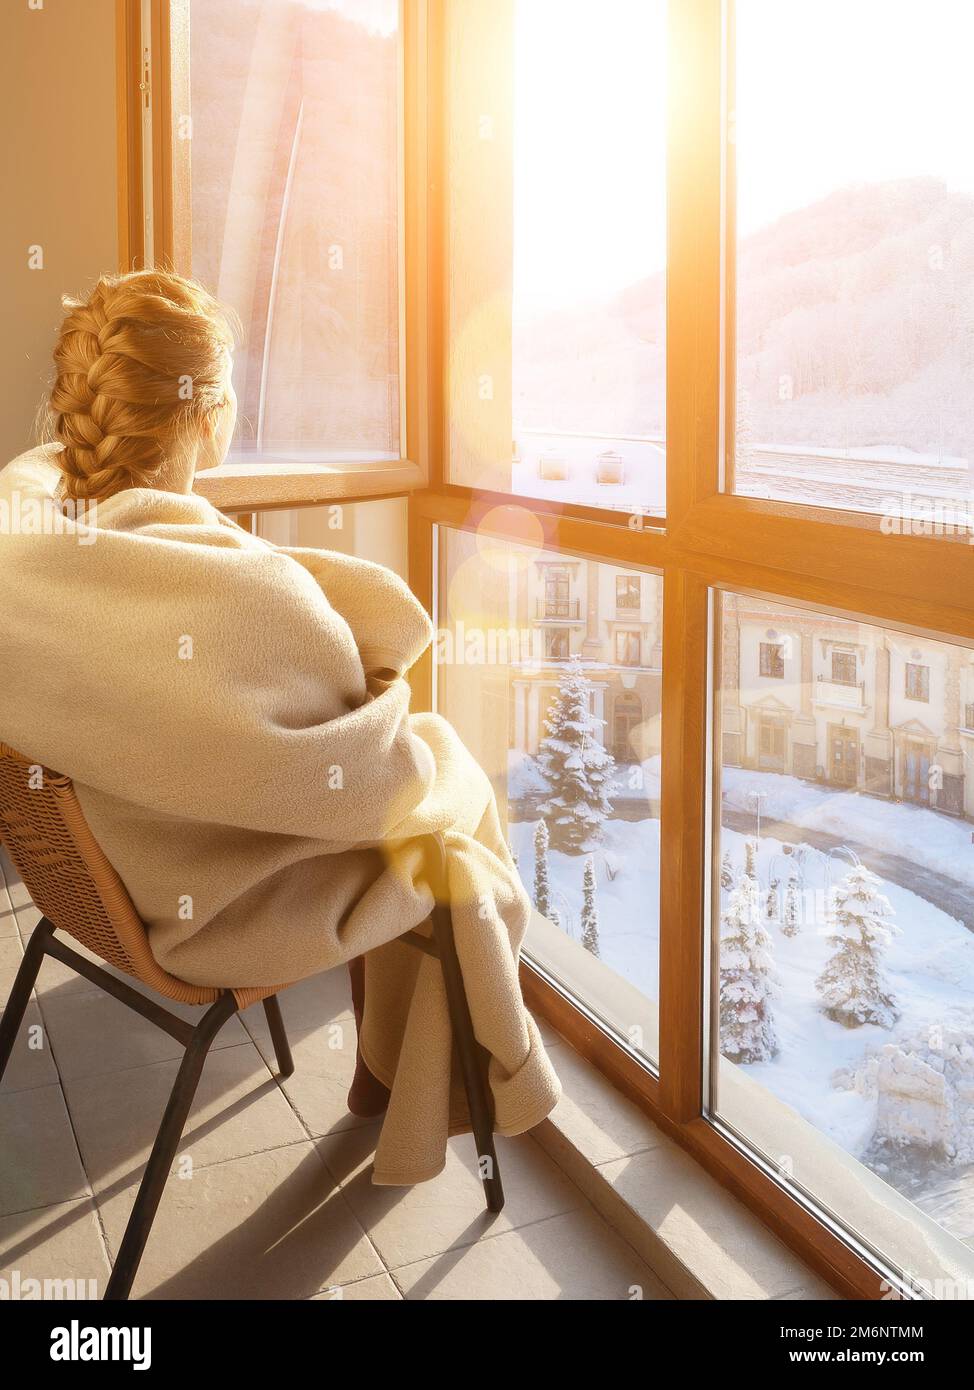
(294, 217)
(556, 149)
(843, 960)
(855, 256)
(566, 723)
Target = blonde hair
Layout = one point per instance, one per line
(142, 367)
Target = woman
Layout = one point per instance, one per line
(235, 720)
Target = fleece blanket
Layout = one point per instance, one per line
(235, 720)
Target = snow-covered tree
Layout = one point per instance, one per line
(751, 859)
(575, 765)
(792, 920)
(772, 903)
(853, 985)
(542, 889)
(590, 914)
(747, 1031)
(726, 872)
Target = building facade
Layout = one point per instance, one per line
(825, 699)
(849, 704)
(611, 619)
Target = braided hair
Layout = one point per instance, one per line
(142, 366)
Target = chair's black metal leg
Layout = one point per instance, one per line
(16, 1006)
(164, 1149)
(472, 1057)
(282, 1049)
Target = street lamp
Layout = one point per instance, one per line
(755, 798)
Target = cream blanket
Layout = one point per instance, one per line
(235, 720)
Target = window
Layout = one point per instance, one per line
(844, 668)
(533, 731)
(853, 249)
(557, 595)
(843, 960)
(774, 295)
(294, 191)
(627, 648)
(917, 682)
(628, 591)
(557, 646)
(773, 660)
(558, 303)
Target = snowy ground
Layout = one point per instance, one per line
(930, 964)
(627, 894)
(927, 838)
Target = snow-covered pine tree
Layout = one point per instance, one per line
(792, 920)
(747, 1031)
(853, 985)
(590, 913)
(726, 872)
(575, 765)
(542, 890)
(751, 858)
(772, 903)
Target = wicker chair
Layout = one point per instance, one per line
(79, 893)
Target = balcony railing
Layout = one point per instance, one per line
(847, 694)
(565, 609)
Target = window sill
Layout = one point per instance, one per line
(701, 1241)
(263, 487)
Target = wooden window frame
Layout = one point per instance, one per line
(155, 227)
(816, 557)
(710, 541)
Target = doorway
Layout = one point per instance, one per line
(843, 755)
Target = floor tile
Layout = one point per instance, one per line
(268, 1226)
(238, 1110)
(410, 1223)
(31, 1063)
(575, 1256)
(324, 1064)
(40, 1157)
(379, 1288)
(11, 954)
(309, 1004)
(93, 1034)
(8, 918)
(62, 1244)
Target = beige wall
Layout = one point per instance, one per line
(57, 173)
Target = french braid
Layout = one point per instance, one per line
(141, 364)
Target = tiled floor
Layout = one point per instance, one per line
(270, 1196)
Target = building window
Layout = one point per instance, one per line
(773, 660)
(844, 668)
(628, 591)
(557, 589)
(556, 645)
(626, 717)
(969, 716)
(917, 682)
(771, 745)
(627, 648)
